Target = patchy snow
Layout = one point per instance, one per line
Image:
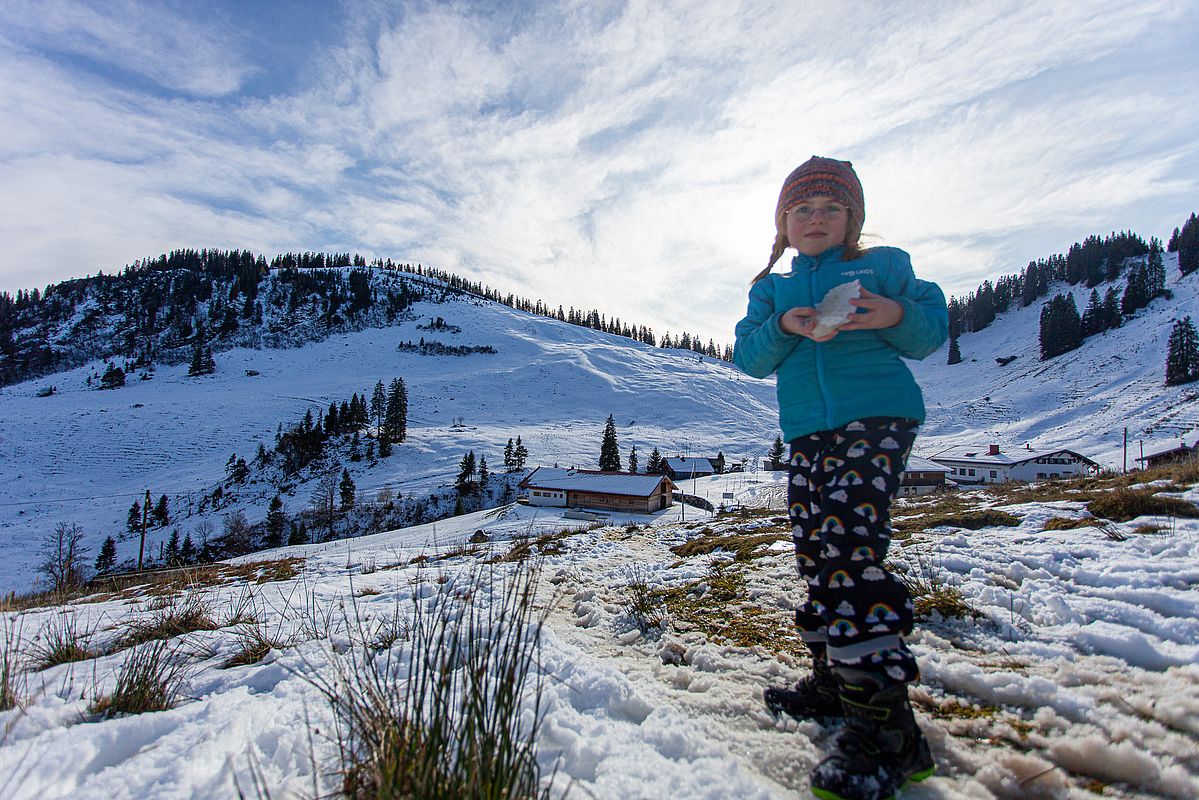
(1083, 665)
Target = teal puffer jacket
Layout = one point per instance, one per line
(824, 385)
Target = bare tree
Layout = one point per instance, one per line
(63, 557)
(324, 501)
(236, 538)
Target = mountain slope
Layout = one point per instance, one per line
(1082, 399)
(550, 382)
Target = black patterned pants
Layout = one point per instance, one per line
(841, 486)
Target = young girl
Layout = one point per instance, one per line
(850, 409)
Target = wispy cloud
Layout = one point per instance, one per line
(624, 156)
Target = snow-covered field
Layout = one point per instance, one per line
(1079, 676)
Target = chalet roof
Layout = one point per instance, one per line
(1182, 447)
(980, 454)
(582, 480)
(685, 466)
(918, 464)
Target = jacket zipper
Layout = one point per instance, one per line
(820, 380)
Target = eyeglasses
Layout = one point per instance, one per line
(805, 211)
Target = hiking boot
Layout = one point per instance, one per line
(814, 696)
(879, 749)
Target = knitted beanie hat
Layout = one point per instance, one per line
(817, 176)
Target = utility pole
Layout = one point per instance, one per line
(1126, 450)
(141, 549)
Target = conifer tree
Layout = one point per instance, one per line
(633, 459)
(1061, 327)
(519, 455)
(395, 417)
(298, 534)
(465, 481)
(484, 473)
(777, 449)
(171, 556)
(276, 522)
(187, 550)
(955, 353)
(113, 377)
(508, 455)
(345, 490)
(106, 559)
(1156, 270)
(1112, 318)
(1136, 293)
(134, 521)
(1182, 354)
(609, 460)
(654, 465)
(160, 513)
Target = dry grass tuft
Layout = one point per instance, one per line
(643, 605)
(972, 520)
(1067, 524)
(181, 615)
(1122, 505)
(931, 592)
(457, 712)
(62, 641)
(150, 679)
(744, 546)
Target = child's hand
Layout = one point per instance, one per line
(800, 321)
(881, 312)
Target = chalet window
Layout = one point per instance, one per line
(994, 474)
(972, 473)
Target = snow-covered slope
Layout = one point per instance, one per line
(1083, 399)
(84, 455)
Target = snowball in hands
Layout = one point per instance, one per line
(835, 309)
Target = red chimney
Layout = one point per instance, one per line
(993, 450)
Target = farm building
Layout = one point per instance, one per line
(610, 491)
(681, 469)
(978, 465)
(922, 476)
(1172, 456)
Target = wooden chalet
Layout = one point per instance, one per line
(607, 491)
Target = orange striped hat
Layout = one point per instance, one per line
(822, 176)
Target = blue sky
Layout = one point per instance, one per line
(624, 156)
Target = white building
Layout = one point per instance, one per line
(978, 465)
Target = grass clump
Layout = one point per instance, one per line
(150, 679)
(253, 645)
(446, 716)
(642, 604)
(719, 607)
(1122, 505)
(176, 617)
(62, 641)
(744, 546)
(1067, 524)
(931, 592)
(11, 659)
(971, 520)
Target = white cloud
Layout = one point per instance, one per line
(623, 156)
(146, 39)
